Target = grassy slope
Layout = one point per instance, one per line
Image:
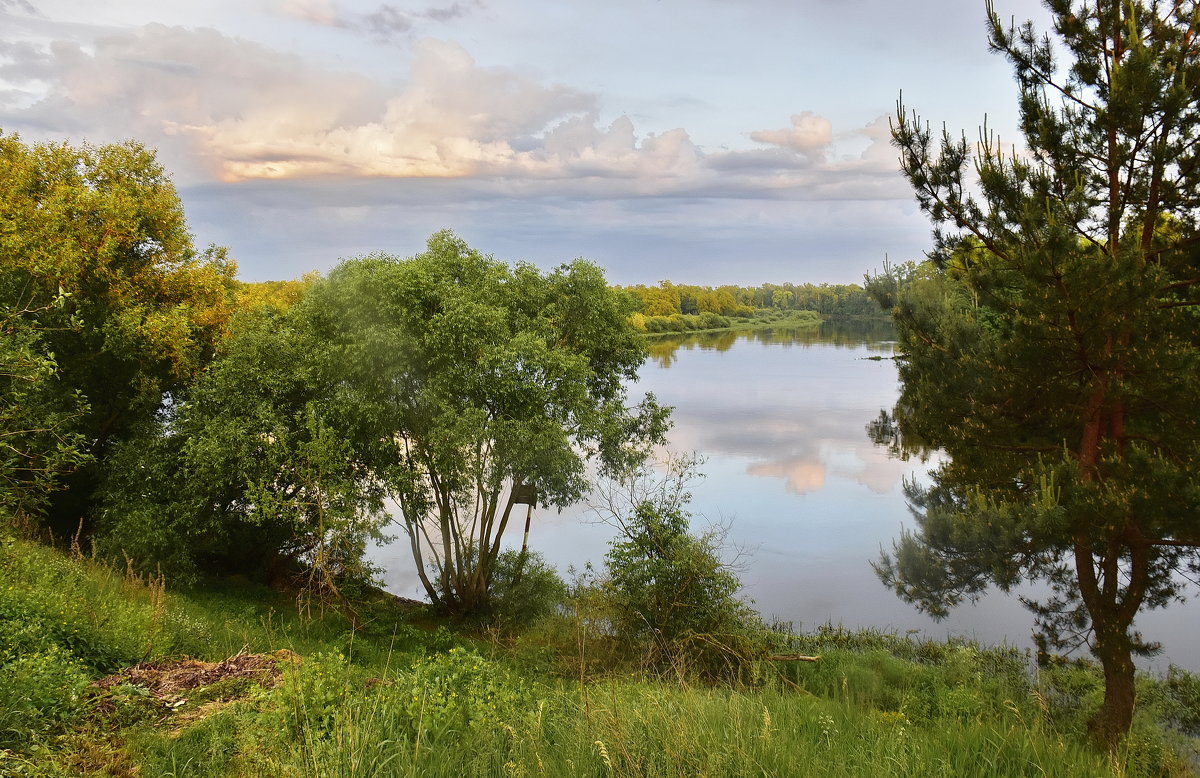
(406, 697)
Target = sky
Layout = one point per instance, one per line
(702, 141)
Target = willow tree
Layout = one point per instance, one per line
(464, 380)
(1052, 346)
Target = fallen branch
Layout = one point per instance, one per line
(793, 658)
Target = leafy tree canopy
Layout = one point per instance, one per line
(115, 306)
(1051, 348)
(471, 377)
(438, 384)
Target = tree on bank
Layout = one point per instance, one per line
(105, 308)
(1052, 347)
(470, 379)
(38, 444)
(438, 384)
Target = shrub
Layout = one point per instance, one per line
(681, 323)
(313, 693)
(673, 323)
(456, 691)
(525, 590)
(672, 599)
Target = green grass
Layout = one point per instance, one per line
(633, 728)
(405, 697)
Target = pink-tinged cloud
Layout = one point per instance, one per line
(219, 107)
(810, 135)
(801, 475)
(316, 11)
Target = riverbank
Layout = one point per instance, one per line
(684, 324)
(103, 673)
(687, 324)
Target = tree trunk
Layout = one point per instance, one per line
(1115, 716)
(1113, 647)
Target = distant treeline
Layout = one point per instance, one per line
(669, 299)
(671, 307)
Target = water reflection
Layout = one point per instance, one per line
(872, 334)
(781, 417)
(797, 419)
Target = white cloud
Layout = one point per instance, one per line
(810, 135)
(219, 107)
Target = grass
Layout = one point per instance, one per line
(405, 697)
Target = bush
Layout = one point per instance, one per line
(665, 323)
(681, 323)
(525, 590)
(1176, 699)
(672, 599)
(313, 694)
(713, 321)
(455, 691)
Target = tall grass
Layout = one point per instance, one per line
(398, 699)
(636, 729)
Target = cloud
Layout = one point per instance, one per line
(800, 475)
(251, 112)
(193, 93)
(316, 11)
(222, 108)
(449, 13)
(810, 135)
(20, 5)
(25, 61)
(386, 23)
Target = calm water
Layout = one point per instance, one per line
(780, 417)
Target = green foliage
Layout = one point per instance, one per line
(57, 631)
(105, 308)
(440, 382)
(204, 750)
(38, 446)
(312, 694)
(1181, 701)
(43, 611)
(663, 302)
(279, 295)
(875, 704)
(525, 588)
(1050, 348)
(447, 694)
(641, 729)
(248, 473)
(462, 378)
(670, 598)
(669, 583)
(41, 691)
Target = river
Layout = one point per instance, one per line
(780, 418)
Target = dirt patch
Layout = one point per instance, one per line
(167, 680)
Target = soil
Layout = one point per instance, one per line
(168, 680)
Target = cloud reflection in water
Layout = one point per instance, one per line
(797, 417)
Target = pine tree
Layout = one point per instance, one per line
(1051, 347)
